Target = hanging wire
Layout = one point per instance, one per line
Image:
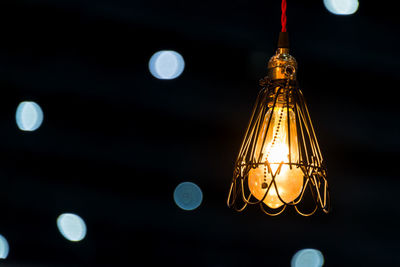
(283, 17)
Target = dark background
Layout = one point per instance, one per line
(115, 141)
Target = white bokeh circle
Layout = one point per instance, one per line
(341, 7)
(166, 65)
(308, 257)
(29, 116)
(4, 247)
(188, 196)
(71, 226)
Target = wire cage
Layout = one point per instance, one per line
(280, 110)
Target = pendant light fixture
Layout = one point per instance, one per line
(280, 163)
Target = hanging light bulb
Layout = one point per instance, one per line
(280, 159)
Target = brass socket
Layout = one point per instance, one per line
(282, 65)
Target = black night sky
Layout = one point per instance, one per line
(115, 141)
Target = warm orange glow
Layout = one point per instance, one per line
(289, 182)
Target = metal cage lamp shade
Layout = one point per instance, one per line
(280, 161)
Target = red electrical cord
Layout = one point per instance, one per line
(283, 17)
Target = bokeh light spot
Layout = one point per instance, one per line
(341, 7)
(166, 65)
(4, 248)
(188, 196)
(29, 116)
(71, 226)
(308, 258)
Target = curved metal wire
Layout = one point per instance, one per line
(250, 156)
(272, 214)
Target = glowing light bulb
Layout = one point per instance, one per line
(288, 180)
